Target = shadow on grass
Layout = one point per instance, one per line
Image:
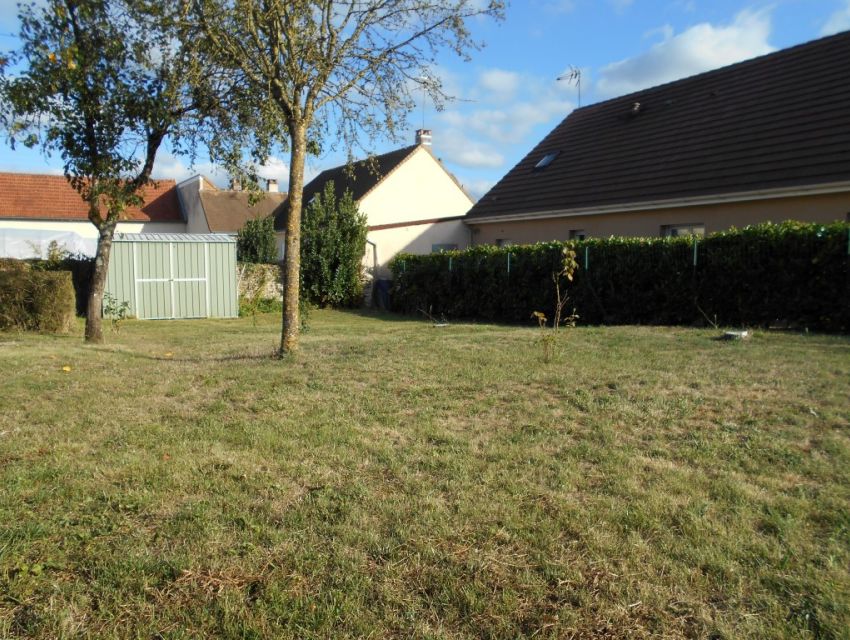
(232, 357)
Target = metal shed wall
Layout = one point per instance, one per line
(165, 275)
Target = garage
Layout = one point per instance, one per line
(174, 275)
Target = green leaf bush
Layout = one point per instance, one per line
(33, 300)
(791, 273)
(333, 240)
(255, 241)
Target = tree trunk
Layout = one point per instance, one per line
(292, 257)
(94, 308)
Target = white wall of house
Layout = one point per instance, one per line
(418, 189)
(30, 238)
(417, 239)
(190, 200)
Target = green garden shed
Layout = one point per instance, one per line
(174, 275)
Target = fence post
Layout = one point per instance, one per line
(696, 243)
(586, 257)
(509, 263)
(450, 263)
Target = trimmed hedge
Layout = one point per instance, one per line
(791, 273)
(33, 300)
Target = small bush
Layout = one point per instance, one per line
(36, 300)
(332, 245)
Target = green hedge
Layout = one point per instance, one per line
(792, 273)
(32, 300)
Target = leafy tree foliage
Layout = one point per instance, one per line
(255, 241)
(329, 70)
(332, 250)
(102, 83)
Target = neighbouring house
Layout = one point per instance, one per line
(767, 139)
(209, 209)
(37, 209)
(412, 203)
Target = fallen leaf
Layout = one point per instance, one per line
(168, 354)
(66, 368)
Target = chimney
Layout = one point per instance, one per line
(423, 137)
(271, 185)
(235, 185)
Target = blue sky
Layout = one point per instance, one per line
(508, 95)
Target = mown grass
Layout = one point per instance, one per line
(397, 480)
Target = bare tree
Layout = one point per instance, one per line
(322, 71)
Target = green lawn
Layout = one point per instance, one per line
(399, 480)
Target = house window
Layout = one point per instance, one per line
(503, 242)
(689, 229)
(439, 248)
(577, 234)
(546, 160)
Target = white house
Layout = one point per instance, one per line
(36, 209)
(412, 203)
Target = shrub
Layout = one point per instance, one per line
(333, 241)
(255, 241)
(791, 273)
(33, 300)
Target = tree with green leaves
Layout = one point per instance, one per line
(102, 83)
(255, 241)
(322, 71)
(332, 245)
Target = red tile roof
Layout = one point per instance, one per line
(778, 121)
(45, 197)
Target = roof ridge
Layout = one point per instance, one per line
(709, 72)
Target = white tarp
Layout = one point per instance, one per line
(31, 243)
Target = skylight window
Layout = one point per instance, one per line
(546, 160)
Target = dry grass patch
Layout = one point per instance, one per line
(395, 480)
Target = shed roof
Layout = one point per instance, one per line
(175, 237)
(777, 121)
(46, 197)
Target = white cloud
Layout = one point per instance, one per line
(701, 48)
(169, 166)
(621, 5)
(560, 6)
(837, 22)
(477, 187)
(456, 146)
(501, 82)
(475, 132)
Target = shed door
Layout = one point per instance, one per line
(171, 280)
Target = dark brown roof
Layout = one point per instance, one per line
(360, 177)
(227, 211)
(781, 120)
(45, 197)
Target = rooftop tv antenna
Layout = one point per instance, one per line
(573, 76)
(423, 83)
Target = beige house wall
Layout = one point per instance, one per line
(648, 223)
(418, 239)
(419, 189)
(190, 199)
